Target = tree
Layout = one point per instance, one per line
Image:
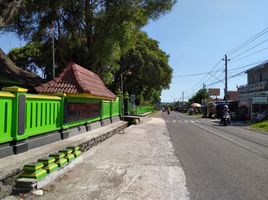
(150, 70)
(30, 58)
(92, 33)
(8, 10)
(199, 96)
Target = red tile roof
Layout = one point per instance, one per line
(233, 95)
(75, 80)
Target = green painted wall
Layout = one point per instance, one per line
(42, 116)
(6, 110)
(45, 114)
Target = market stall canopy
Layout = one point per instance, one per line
(77, 80)
(196, 105)
(11, 75)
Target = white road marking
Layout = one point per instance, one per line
(214, 120)
(186, 121)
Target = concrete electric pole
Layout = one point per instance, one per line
(226, 78)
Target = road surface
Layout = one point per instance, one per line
(228, 163)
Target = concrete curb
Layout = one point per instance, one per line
(144, 114)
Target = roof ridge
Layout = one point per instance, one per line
(79, 80)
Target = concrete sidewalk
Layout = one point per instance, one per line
(140, 164)
(10, 166)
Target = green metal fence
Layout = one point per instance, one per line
(43, 114)
(31, 115)
(106, 109)
(143, 109)
(115, 107)
(6, 111)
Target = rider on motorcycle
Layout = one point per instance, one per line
(225, 114)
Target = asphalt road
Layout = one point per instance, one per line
(229, 163)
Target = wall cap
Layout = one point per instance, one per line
(15, 89)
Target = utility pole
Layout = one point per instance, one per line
(226, 78)
(182, 101)
(52, 34)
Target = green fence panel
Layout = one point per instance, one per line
(106, 109)
(115, 107)
(6, 109)
(42, 115)
(84, 121)
(143, 109)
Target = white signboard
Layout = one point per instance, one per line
(259, 100)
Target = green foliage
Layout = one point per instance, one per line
(94, 34)
(29, 57)
(7, 10)
(261, 125)
(150, 70)
(199, 96)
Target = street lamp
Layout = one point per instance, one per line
(127, 72)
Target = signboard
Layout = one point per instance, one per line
(259, 100)
(253, 87)
(74, 111)
(214, 91)
(132, 98)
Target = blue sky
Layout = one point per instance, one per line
(196, 34)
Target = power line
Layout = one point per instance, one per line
(201, 80)
(255, 63)
(197, 74)
(210, 76)
(197, 89)
(231, 52)
(247, 42)
(250, 49)
(255, 52)
(235, 75)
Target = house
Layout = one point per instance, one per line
(232, 95)
(254, 94)
(11, 75)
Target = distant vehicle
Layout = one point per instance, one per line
(215, 109)
(211, 110)
(168, 110)
(261, 116)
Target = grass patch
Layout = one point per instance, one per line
(261, 125)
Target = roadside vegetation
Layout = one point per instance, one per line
(261, 126)
(103, 36)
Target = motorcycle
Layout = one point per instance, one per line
(226, 119)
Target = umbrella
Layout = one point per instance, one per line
(196, 105)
